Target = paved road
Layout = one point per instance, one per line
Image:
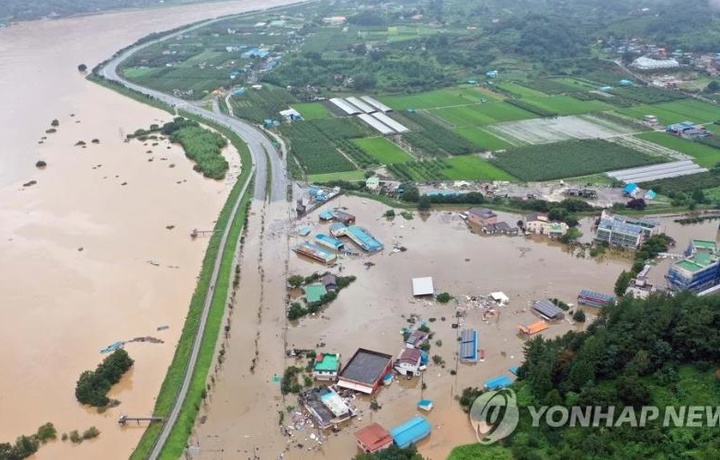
(253, 136)
(265, 158)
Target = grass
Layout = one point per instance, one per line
(676, 112)
(117, 87)
(473, 168)
(519, 90)
(704, 155)
(566, 105)
(312, 110)
(384, 151)
(569, 159)
(174, 377)
(482, 114)
(459, 95)
(347, 175)
(482, 138)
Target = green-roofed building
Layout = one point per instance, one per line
(327, 366)
(699, 270)
(314, 292)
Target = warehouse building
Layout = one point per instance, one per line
(365, 371)
(414, 430)
(497, 383)
(645, 63)
(329, 242)
(468, 347)
(315, 253)
(594, 299)
(548, 310)
(627, 232)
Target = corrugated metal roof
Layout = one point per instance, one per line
(412, 431)
(596, 295)
(547, 308)
(496, 383)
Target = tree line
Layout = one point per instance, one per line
(92, 386)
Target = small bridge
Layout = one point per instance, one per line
(124, 419)
(195, 233)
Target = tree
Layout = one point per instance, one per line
(46, 433)
(579, 316)
(82, 68)
(424, 203)
(55, 123)
(713, 86)
(622, 283)
(636, 203)
(444, 297)
(410, 193)
(296, 281)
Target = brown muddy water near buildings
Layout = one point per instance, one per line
(75, 247)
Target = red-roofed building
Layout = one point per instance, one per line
(408, 362)
(373, 438)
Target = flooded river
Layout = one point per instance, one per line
(98, 250)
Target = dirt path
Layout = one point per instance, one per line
(242, 409)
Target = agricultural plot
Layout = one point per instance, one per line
(676, 112)
(569, 159)
(520, 90)
(566, 105)
(312, 110)
(471, 167)
(348, 175)
(704, 155)
(448, 97)
(549, 130)
(483, 139)
(262, 104)
(435, 139)
(704, 180)
(481, 114)
(382, 150)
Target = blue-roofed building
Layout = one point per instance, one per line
(594, 299)
(411, 432)
(337, 229)
(326, 215)
(698, 271)
(606, 89)
(362, 238)
(491, 73)
(650, 195)
(630, 189)
(626, 82)
(468, 347)
(329, 242)
(514, 370)
(626, 232)
(499, 382)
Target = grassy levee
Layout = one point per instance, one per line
(117, 87)
(176, 372)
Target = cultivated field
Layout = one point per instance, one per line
(312, 110)
(570, 159)
(519, 90)
(348, 175)
(549, 130)
(676, 112)
(481, 114)
(566, 105)
(704, 155)
(471, 167)
(461, 95)
(483, 138)
(384, 151)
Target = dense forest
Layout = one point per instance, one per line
(663, 351)
(24, 10)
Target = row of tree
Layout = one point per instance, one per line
(93, 386)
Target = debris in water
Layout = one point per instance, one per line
(163, 327)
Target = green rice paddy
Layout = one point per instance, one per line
(312, 110)
(384, 151)
(519, 90)
(566, 105)
(473, 168)
(704, 155)
(482, 138)
(676, 112)
(482, 114)
(449, 97)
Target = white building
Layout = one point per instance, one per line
(645, 63)
(408, 362)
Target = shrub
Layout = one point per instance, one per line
(444, 297)
(46, 433)
(579, 316)
(75, 437)
(91, 433)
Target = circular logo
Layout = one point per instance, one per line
(494, 415)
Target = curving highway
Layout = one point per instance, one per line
(258, 145)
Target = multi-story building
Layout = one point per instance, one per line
(626, 232)
(540, 224)
(698, 271)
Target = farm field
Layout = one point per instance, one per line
(549, 130)
(384, 151)
(482, 138)
(519, 90)
(347, 175)
(473, 168)
(570, 159)
(676, 112)
(566, 105)
(448, 97)
(704, 155)
(312, 110)
(482, 114)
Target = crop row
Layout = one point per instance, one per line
(263, 104)
(704, 180)
(419, 170)
(711, 141)
(569, 159)
(531, 108)
(316, 153)
(435, 139)
(549, 86)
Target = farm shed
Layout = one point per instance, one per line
(412, 431)
(423, 286)
(468, 347)
(329, 242)
(365, 371)
(416, 338)
(594, 299)
(315, 253)
(548, 310)
(375, 103)
(498, 382)
(373, 438)
(363, 238)
(344, 217)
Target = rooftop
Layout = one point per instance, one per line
(423, 286)
(482, 213)
(366, 366)
(411, 431)
(619, 226)
(410, 356)
(696, 262)
(374, 437)
(314, 292)
(327, 362)
(704, 244)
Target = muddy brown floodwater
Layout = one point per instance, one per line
(75, 247)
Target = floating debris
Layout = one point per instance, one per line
(163, 327)
(153, 263)
(113, 347)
